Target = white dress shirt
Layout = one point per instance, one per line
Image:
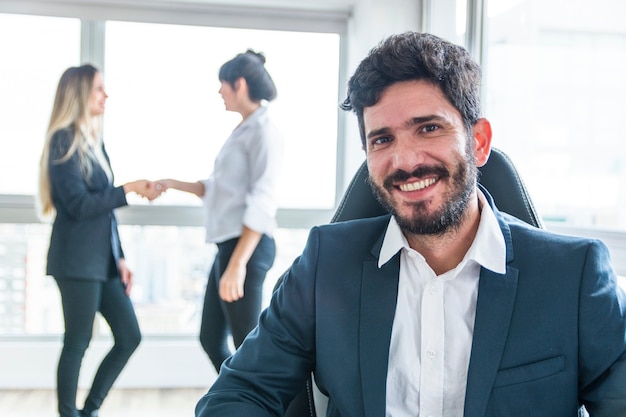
(431, 337)
(242, 189)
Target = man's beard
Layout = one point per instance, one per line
(450, 215)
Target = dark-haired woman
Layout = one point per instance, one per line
(240, 201)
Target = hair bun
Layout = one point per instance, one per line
(259, 55)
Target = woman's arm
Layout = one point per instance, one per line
(196, 188)
(231, 282)
(79, 198)
(125, 275)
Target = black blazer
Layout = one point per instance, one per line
(84, 242)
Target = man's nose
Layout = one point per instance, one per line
(407, 154)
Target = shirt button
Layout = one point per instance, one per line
(431, 354)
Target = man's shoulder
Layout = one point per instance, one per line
(357, 225)
(352, 234)
(523, 232)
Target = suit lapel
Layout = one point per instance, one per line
(378, 304)
(494, 307)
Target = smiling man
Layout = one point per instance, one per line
(446, 307)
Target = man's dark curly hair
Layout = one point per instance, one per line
(416, 56)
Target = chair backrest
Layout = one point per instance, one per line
(499, 176)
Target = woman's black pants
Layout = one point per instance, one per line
(221, 319)
(81, 299)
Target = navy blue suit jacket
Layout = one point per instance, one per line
(549, 334)
(84, 241)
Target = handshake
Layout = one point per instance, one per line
(147, 189)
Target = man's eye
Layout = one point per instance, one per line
(430, 128)
(381, 140)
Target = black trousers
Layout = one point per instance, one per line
(221, 319)
(81, 299)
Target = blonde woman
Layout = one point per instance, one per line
(85, 256)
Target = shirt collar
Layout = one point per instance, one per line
(488, 248)
(251, 120)
(258, 113)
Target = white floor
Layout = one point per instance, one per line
(158, 402)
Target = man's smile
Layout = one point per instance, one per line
(417, 185)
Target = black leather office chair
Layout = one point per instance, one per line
(499, 176)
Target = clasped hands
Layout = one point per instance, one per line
(147, 189)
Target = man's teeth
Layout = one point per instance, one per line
(417, 185)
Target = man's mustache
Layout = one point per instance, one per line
(419, 172)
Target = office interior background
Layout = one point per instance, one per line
(553, 88)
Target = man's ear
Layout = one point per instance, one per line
(481, 132)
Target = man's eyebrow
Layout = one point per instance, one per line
(377, 132)
(424, 119)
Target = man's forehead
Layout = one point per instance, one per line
(404, 101)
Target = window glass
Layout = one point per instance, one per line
(554, 94)
(449, 20)
(165, 117)
(170, 265)
(29, 72)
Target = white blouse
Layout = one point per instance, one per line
(242, 188)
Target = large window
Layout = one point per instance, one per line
(35, 51)
(164, 118)
(164, 108)
(554, 94)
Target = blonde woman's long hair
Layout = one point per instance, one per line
(70, 110)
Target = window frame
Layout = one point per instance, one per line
(20, 208)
